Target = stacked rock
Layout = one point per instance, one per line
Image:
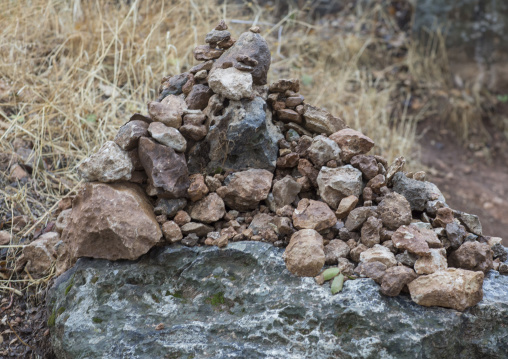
(223, 157)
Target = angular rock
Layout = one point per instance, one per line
(198, 98)
(304, 256)
(366, 164)
(206, 53)
(372, 270)
(416, 192)
(395, 327)
(288, 115)
(352, 143)
(197, 188)
(181, 218)
(215, 36)
(370, 232)
(378, 253)
(284, 85)
(285, 192)
(128, 135)
(323, 150)
(168, 136)
(411, 239)
(346, 205)
(231, 83)
(169, 111)
(288, 161)
(407, 259)
(473, 256)
(174, 84)
(499, 252)
(62, 220)
(199, 229)
(244, 190)
(395, 279)
(169, 207)
(166, 169)
(111, 221)
(358, 216)
(435, 262)
(320, 121)
(171, 232)
(334, 250)
(109, 164)
(450, 288)
(41, 254)
(209, 209)
(250, 45)
(337, 183)
(455, 234)
(313, 215)
(471, 222)
(395, 211)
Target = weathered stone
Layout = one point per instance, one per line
(370, 232)
(372, 270)
(313, 215)
(195, 133)
(395, 211)
(169, 111)
(378, 253)
(337, 183)
(181, 218)
(206, 53)
(450, 288)
(376, 183)
(231, 83)
(358, 216)
(171, 232)
(169, 207)
(109, 164)
(304, 256)
(285, 192)
(198, 98)
(470, 221)
(500, 252)
(416, 192)
(435, 262)
(216, 36)
(264, 225)
(431, 207)
(334, 250)
(288, 115)
(17, 173)
(41, 254)
(198, 229)
(394, 327)
(197, 188)
(209, 209)
(320, 121)
(212, 183)
(455, 234)
(323, 150)
(411, 239)
(288, 161)
(407, 259)
(111, 221)
(284, 85)
(473, 256)
(346, 205)
(351, 143)
(128, 135)
(191, 240)
(173, 85)
(62, 220)
(168, 136)
(244, 190)
(294, 101)
(366, 164)
(253, 46)
(165, 168)
(395, 279)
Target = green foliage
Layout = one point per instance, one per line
(97, 320)
(337, 283)
(216, 299)
(331, 273)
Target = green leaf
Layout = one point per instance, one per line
(306, 80)
(337, 283)
(331, 273)
(502, 98)
(91, 118)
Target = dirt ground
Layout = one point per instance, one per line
(472, 179)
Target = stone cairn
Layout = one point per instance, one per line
(223, 157)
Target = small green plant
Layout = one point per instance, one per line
(331, 273)
(69, 286)
(216, 299)
(337, 283)
(97, 320)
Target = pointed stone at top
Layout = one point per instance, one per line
(221, 26)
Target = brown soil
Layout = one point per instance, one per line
(472, 177)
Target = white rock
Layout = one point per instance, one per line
(323, 150)
(433, 263)
(168, 136)
(379, 253)
(337, 183)
(231, 83)
(110, 164)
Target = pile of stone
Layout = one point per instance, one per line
(223, 157)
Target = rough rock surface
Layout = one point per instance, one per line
(231, 83)
(323, 150)
(168, 136)
(395, 279)
(338, 183)
(417, 193)
(411, 239)
(111, 310)
(112, 221)
(352, 143)
(305, 256)
(378, 253)
(209, 209)
(109, 164)
(395, 211)
(244, 190)
(450, 288)
(41, 253)
(474, 256)
(435, 262)
(334, 250)
(312, 214)
(321, 121)
(284, 192)
(128, 135)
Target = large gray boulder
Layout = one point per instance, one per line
(242, 302)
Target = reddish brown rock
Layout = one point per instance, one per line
(346, 205)
(304, 256)
(284, 192)
(206, 53)
(376, 183)
(444, 216)
(169, 111)
(111, 221)
(352, 143)
(294, 101)
(338, 183)
(451, 288)
(181, 218)
(244, 190)
(395, 279)
(41, 254)
(166, 169)
(473, 256)
(411, 239)
(283, 85)
(372, 270)
(287, 115)
(370, 232)
(395, 211)
(198, 98)
(128, 135)
(288, 161)
(366, 164)
(358, 216)
(357, 251)
(334, 250)
(313, 215)
(209, 209)
(171, 232)
(197, 188)
(433, 263)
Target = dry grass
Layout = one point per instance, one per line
(71, 72)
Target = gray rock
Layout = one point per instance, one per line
(169, 207)
(110, 310)
(470, 221)
(499, 252)
(337, 183)
(323, 150)
(242, 137)
(109, 164)
(418, 193)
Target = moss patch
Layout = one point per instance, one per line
(216, 299)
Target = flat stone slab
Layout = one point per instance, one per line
(241, 301)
